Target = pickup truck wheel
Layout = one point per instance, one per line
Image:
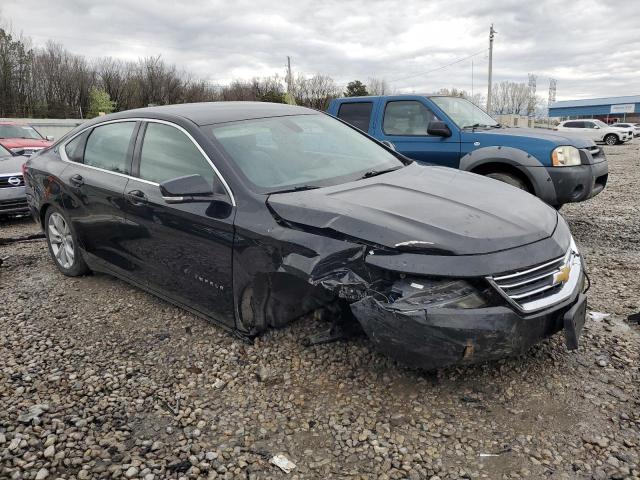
(611, 139)
(510, 179)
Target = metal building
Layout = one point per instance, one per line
(609, 109)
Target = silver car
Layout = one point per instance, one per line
(13, 197)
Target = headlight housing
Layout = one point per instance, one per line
(411, 293)
(565, 156)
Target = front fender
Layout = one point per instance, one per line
(529, 165)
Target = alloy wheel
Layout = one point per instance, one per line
(61, 240)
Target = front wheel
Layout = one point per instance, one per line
(611, 139)
(510, 179)
(63, 244)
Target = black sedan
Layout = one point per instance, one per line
(253, 214)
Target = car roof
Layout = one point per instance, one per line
(208, 113)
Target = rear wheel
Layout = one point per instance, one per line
(63, 244)
(611, 139)
(510, 179)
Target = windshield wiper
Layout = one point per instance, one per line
(373, 173)
(299, 188)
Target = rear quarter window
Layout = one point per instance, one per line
(357, 114)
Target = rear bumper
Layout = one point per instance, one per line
(435, 338)
(575, 184)
(13, 200)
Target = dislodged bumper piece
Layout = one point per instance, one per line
(430, 338)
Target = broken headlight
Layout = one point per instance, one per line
(439, 293)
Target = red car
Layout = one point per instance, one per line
(22, 139)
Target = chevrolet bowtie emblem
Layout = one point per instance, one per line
(562, 276)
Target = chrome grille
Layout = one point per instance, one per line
(543, 285)
(12, 181)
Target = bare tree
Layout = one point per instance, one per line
(377, 86)
(510, 98)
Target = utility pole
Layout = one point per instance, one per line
(289, 77)
(492, 32)
(472, 80)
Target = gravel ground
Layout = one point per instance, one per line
(101, 380)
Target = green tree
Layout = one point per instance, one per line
(356, 89)
(99, 102)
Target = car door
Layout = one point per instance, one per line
(593, 131)
(404, 123)
(99, 161)
(182, 251)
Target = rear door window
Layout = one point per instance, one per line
(407, 117)
(357, 114)
(574, 124)
(109, 147)
(75, 148)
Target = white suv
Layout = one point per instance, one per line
(596, 130)
(635, 127)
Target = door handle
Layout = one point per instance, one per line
(136, 197)
(76, 180)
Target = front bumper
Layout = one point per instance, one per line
(13, 200)
(439, 337)
(575, 184)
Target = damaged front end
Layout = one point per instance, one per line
(428, 304)
(429, 322)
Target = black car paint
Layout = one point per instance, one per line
(251, 261)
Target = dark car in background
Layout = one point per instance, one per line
(13, 199)
(253, 214)
(22, 139)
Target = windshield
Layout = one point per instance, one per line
(600, 123)
(463, 112)
(19, 131)
(307, 151)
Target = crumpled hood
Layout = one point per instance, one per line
(433, 209)
(529, 134)
(24, 142)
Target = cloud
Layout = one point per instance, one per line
(591, 48)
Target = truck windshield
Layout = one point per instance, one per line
(300, 152)
(19, 131)
(464, 113)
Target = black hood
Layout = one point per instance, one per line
(423, 208)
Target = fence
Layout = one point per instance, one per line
(55, 127)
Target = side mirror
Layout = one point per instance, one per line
(438, 129)
(389, 144)
(191, 188)
(596, 127)
(49, 138)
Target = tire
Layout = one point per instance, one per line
(510, 179)
(63, 244)
(611, 139)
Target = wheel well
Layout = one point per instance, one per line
(614, 134)
(497, 167)
(43, 213)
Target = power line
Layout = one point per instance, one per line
(441, 67)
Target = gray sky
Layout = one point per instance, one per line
(591, 47)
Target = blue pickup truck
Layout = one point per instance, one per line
(556, 167)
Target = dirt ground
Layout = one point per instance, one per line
(101, 380)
